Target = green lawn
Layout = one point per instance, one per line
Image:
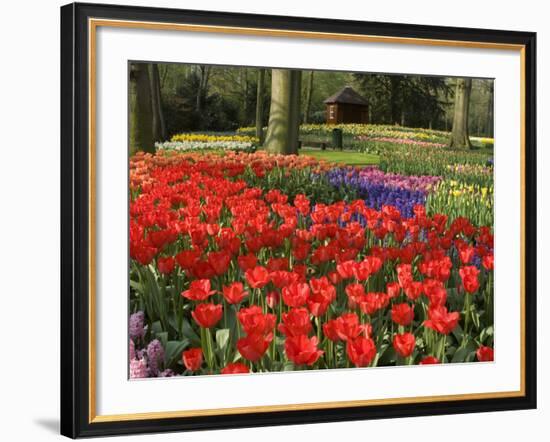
(338, 156)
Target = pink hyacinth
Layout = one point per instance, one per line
(138, 368)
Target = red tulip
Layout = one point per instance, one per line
(372, 302)
(402, 314)
(334, 277)
(302, 350)
(143, 254)
(235, 368)
(166, 265)
(345, 269)
(188, 258)
(281, 278)
(207, 315)
(318, 303)
(355, 292)
(295, 322)
(330, 331)
(428, 360)
(192, 359)
(435, 291)
(393, 289)
(219, 261)
(488, 262)
(254, 321)
(404, 274)
(440, 320)
(296, 294)
(343, 328)
(466, 254)
(253, 347)
(199, 290)
(413, 290)
(247, 262)
(361, 351)
(273, 299)
(404, 344)
(485, 354)
(257, 277)
(469, 278)
(202, 270)
(234, 293)
(274, 264)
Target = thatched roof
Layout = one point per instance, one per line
(348, 96)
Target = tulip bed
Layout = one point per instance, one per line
(208, 142)
(244, 263)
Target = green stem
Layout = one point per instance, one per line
(466, 317)
(443, 344)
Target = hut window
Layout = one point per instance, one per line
(331, 111)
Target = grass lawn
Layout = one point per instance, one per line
(338, 156)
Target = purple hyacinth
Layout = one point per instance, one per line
(155, 356)
(136, 327)
(166, 373)
(378, 188)
(138, 368)
(132, 350)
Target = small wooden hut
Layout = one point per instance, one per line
(347, 106)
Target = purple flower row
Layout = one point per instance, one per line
(379, 188)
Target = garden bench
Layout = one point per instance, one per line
(313, 143)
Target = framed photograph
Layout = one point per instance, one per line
(274, 220)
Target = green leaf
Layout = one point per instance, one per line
(289, 366)
(458, 333)
(222, 338)
(173, 350)
(136, 286)
(156, 327)
(486, 333)
(475, 319)
(387, 355)
(188, 333)
(462, 353)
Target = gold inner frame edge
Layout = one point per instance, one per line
(93, 24)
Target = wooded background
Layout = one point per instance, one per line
(166, 99)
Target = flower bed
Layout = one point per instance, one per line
(399, 141)
(186, 146)
(463, 200)
(379, 189)
(231, 275)
(187, 142)
(371, 130)
(212, 138)
(469, 167)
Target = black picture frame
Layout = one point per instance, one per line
(75, 195)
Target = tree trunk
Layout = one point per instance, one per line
(159, 128)
(395, 108)
(296, 107)
(260, 106)
(204, 73)
(284, 112)
(308, 97)
(490, 121)
(244, 79)
(141, 110)
(460, 138)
